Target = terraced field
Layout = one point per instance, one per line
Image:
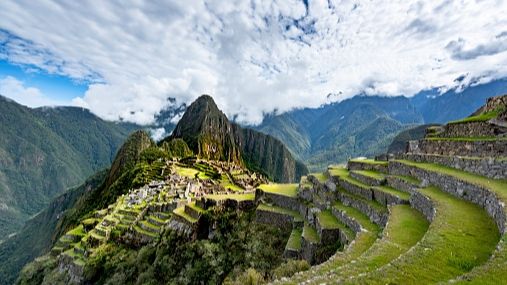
(428, 216)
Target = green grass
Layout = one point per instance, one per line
(294, 242)
(358, 216)
(181, 212)
(77, 231)
(394, 192)
(284, 211)
(374, 204)
(238, 197)
(227, 183)
(369, 161)
(372, 174)
(320, 176)
(144, 232)
(150, 225)
(289, 190)
(405, 228)
(486, 116)
(195, 207)
(185, 171)
(460, 237)
(499, 186)
(310, 234)
(408, 179)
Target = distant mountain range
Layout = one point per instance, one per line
(366, 125)
(44, 151)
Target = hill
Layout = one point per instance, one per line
(44, 151)
(208, 133)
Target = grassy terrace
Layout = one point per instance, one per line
(344, 175)
(224, 181)
(275, 209)
(310, 234)
(361, 243)
(486, 116)
(328, 221)
(144, 232)
(405, 228)
(238, 197)
(181, 212)
(294, 242)
(374, 204)
(320, 176)
(494, 271)
(394, 192)
(372, 174)
(370, 161)
(460, 237)
(289, 190)
(497, 186)
(408, 179)
(195, 207)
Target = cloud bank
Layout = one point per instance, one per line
(254, 57)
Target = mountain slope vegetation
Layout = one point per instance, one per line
(44, 151)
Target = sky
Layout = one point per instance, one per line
(125, 60)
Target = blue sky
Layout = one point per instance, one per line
(130, 59)
(58, 87)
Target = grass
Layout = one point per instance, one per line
(77, 231)
(238, 197)
(195, 207)
(150, 225)
(493, 271)
(226, 183)
(181, 212)
(486, 116)
(289, 190)
(460, 237)
(498, 186)
(374, 204)
(144, 232)
(275, 209)
(372, 174)
(310, 234)
(294, 242)
(369, 161)
(185, 171)
(405, 228)
(394, 192)
(408, 179)
(320, 176)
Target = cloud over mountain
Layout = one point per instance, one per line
(253, 56)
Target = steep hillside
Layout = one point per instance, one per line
(46, 150)
(42, 231)
(208, 133)
(335, 132)
(399, 143)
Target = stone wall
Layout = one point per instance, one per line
(496, 148)
(470, 129)
(278, 200)
(73, 270)
(358, 165)
(280, 220)
(423, 204)
(376, 216)
(366, 179)
(354, 189)
(401, 184)
(347, 220)
(308, 250)
(490, 167)
(494, 102)
(461, 189)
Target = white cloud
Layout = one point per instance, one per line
(29, 96)
(254, 56)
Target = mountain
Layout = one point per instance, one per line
(44, 151)
(453, 105)
(342, 130)
(210, 135)
(338, 131)
(40, 233)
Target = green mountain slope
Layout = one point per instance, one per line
(46, 150)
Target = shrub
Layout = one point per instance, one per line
(289, 268)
